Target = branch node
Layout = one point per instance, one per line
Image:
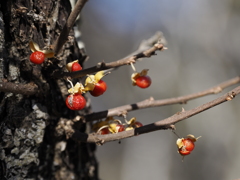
(132, 59)
(100, 142)
(78, 118)
(100, 64)
(172, 127)
(217, 90)
(183, 102)
(230, 96)
(179, 112)
(151, 98)
(183, 110)
(159, 46)
(123, 113)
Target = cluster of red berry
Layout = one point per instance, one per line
(75, 101)
(93, 84)
(111, 125)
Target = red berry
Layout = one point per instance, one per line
(184, 152)
(75, 102)
(138, 124)
(188, 146)
(104, 131)
(143, 81)
(37, 57)
(76, 66)
(99, 88)
(120, 128)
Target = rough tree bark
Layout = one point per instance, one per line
(33, 144)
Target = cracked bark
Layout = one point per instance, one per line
(31, 147)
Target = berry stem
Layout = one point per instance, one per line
(174, 132)
(71, 84)
(133, 67)
(125, 119)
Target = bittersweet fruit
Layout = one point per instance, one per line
(73, 66)
(37, 57)
(95, 85)
(138, 124)
(132, 123)
(143, 81)
(75, 102)
(99, 88)
(186, 145)
(104, 131)
(120, 128)
(76, 67)
(109, 125)
(115, 126)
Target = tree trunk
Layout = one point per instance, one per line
(33, 142)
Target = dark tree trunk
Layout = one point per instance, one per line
(33, 142)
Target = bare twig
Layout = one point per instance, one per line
(103, 66)
(17, 88)
(63, 37)
(162, 124)
(154, 103)
(148, 43)
(146, 49)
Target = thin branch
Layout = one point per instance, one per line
(162, 124)
(63, 37)
(155, 103)
(148, 43)
(17, 88)
(145, 50)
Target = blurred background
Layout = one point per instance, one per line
(203, 50)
